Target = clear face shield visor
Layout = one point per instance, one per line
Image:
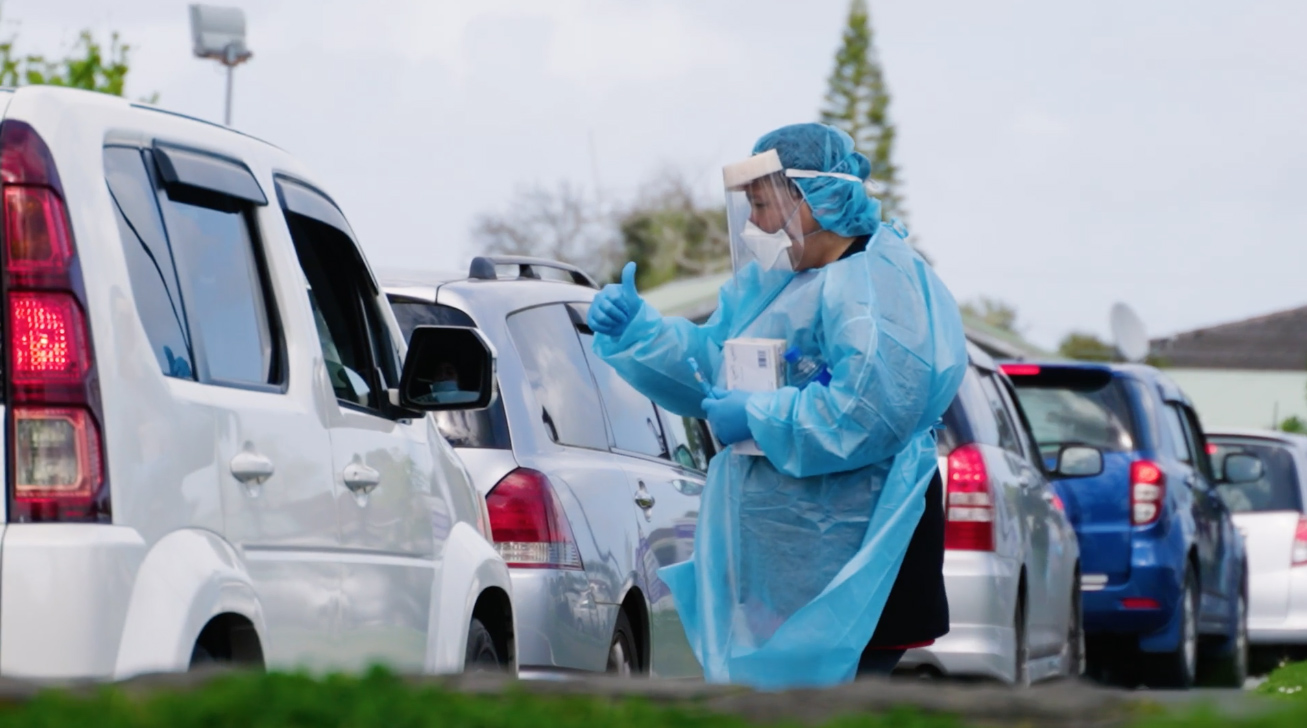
(762, 214)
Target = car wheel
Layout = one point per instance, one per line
(1073, 661)
(1178, 669)
(481, 655)
(201, 658)
(1021, 670)
(621, 652)
(1230, 669)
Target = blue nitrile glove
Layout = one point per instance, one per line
(616, 305)
(727, 415)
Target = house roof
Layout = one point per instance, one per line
(696, 299)
(1276, 342)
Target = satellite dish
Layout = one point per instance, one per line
(1128, 333)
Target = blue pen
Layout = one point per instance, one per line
(698, 377)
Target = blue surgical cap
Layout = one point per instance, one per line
(839, 205)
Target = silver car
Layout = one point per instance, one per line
(591, 488)
(1270, 513)
(1011, 560)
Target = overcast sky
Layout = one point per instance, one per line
(1060, 156)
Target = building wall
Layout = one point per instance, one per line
(1243, 398)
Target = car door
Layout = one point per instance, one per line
(210, 257)
(390, 501)
(1031, 509)
(666, 496)
(1221, 585)
(1195, 498)
(574, 451)
(1051, 524)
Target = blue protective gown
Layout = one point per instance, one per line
(795, 553)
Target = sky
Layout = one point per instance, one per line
(1058, 156)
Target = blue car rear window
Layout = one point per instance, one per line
(1094, 412)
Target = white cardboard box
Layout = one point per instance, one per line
(753, 365)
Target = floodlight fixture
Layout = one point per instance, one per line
(219, 33)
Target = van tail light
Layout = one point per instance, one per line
(1147, 492)
(528, 524)
(969, 503)
(1300, 543)
(57, 470)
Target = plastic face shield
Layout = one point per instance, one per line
(762, 213)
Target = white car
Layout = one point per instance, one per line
(1011, 560)
(212, 454)
(1270, 512)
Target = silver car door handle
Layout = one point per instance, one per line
(251, 467)
(643, 498)
(360, 478)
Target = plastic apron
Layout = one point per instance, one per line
(795, 553)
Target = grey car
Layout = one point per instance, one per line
(1011, 561)
(591, 488)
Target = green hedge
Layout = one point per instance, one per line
(380, 699)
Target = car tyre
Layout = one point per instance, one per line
(481, 655)
(1021, 648)
(1179, 669)
(1229, 668)
(1073, 661)
(621, 652)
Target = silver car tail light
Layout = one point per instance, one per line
(528, 524)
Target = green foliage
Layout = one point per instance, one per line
(1289, 681)
(857, 101)
(376, 699)
(250, 700)
(1086, 347)
(992, 311)
(670, 235)
(90, 66)
(1293, 424)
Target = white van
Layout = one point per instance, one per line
(215, 449)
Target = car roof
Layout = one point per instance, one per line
(497, 298)
(1288, 438)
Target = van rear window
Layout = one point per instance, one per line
(1064, 409)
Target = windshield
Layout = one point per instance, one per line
(1276, 490)
(1097, 415)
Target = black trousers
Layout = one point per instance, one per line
(917, 608)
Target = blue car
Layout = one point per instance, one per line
(1164, 575)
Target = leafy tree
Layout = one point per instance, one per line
(1293, 423)
(857, 101)
(994, 312)
(91, 66)
(670, 235)
(558, 224)
(1086, 347)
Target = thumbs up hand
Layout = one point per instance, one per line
(616, 305)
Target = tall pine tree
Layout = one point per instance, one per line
(858, 102)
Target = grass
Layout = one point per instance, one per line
(1289, 681)
(378, 698)
(375, 699)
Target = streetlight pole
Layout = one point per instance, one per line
(219, 33)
